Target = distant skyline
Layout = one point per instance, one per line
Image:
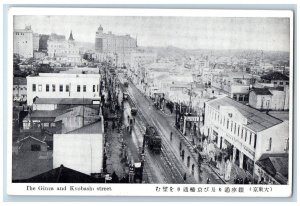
(215, 33)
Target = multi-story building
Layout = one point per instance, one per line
(250, 132)
(36, 41)
(23, 42)
(121, 45)
(235, 85)
(64, 51)
(276, 79)
(56, 85)
(276, 98)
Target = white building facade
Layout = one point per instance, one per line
(250, 132)
(56, 85)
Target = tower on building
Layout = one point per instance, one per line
(71, 37)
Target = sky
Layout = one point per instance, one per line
(184, 32)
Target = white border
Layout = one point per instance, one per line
(141, 189)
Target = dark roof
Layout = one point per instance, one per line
(261, 91)
(275, 76)
(94, 128)
(276, 165)
(46, 113)
(20, 81)
(61, 175)
(256, 120)
(66, 101)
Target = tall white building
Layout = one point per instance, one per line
(23, 42)
(251, 133)
(56, 85)
(120, 45)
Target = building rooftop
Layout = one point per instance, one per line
(275, 76)
(276, 165)
(261, 91)
(65, 75)
(46, 113)
(93, 128)
(256, 120)
(65, 101)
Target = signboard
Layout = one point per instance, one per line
(192, 118)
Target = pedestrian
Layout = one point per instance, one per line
(208, 181)
(184, 177)
(171, 134)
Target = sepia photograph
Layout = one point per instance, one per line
(158, 99)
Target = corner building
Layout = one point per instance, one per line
(251, 133)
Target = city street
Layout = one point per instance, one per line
(166, 167)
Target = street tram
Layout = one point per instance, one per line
(152, 139)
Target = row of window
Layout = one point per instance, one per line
(281, 83)
(241, 98)
(62, 88)
(286, 145)
(21, 88)
(19, 33)
(232, 127)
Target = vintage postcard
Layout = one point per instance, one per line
(138, 102)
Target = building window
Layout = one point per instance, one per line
(53, 87)
(287, 83)
(97, 87)
(40, 87)
(231, 126)
(255, 136)
(269, 144)
(246, 98)
(275, 82)
(281, 83)
(234, 128)
(34, 87)
(47, 87)
(94, 88)
(35, 147)
(78, 88)
(286, 148)
(227, 123)
(61, 88)
(246, 134)
(241, 98)
(67, 88)
(238, 132)
(250, 140)
(84, 88)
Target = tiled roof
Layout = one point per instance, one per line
(46, 113)
(275, 165)
(275, 76)
(261, 91)
(256, 120)
(69, 101)
(94, 128)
